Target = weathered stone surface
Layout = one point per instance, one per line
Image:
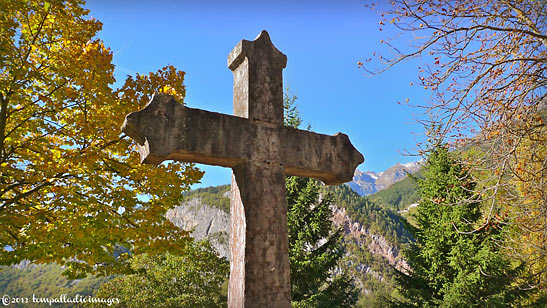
(166, 129)
(260, 151)
(258, 79)
(259, 268)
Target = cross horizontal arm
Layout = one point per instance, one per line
(331, 159)
(166, 129)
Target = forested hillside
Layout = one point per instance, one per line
(45, 281)
(400, 195)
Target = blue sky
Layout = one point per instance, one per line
(323, 41)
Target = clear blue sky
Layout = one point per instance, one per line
(323, 41)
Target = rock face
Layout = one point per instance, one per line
(205, 222)
(214, 224)
(367, 182)
(376, 244)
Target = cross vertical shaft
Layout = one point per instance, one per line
(259, 265)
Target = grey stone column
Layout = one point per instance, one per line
(259, 265)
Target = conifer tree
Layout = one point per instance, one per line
(454, 262)
(315, 246)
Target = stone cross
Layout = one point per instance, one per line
(261, 151)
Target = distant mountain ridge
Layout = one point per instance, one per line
(368, 182)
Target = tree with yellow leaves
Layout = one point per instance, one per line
(72, 190)
(486, 65)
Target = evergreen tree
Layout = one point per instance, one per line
(291, 114)
(455, 262)
(315, 248)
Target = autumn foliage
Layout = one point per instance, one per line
(485, 63)
(72, 189)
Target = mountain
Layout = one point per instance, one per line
(400, 195)
(367, 182)
(364, 182)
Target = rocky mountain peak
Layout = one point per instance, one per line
(368, 182)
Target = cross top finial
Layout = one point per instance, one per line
(258, 79)
(254, 50)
